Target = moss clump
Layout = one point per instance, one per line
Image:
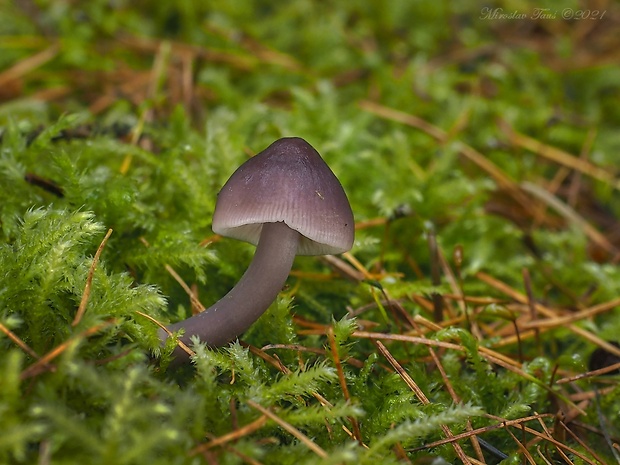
(479, 156)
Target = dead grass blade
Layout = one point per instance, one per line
(490, 355)
(89, 280)
(545, 436)
(562, 438)
(558, 156)
(577, 316)
(343, 383)
(576, 438)
(232, 436)
(196, 304)
(442, 136)
(246, 458)
(343, 268)
(25, 66)
(275, 362)
(184, 347)
(570, 214)
(590, 374)
(40, 364)
(519, 297)
(21, 344)
(455, 398)
(481, 430)
(290, 429)
(358, 266)
(420, 395)
(527, 282)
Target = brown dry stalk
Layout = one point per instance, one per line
(558, 156)
(282, 368)
(531, 303)
(559, 444)
(419, 394)
(241, 61)
(589, 374)
(404, 118)
(403, 374)
(180, 343)
(589, 395)
(133, 84)
(155, 79)
(519, 297)
(358, 265)
(454, 281)
(23, 67)
(313, 350)
(343, 382)
(481, 430)
(455, 397)
(405, 338)
(371, 223)
(246, 458)
(196, 304)
(442, 136)
(523, 448)
(295, 347)
(343, 268)
(232, 436)
(89, 280)
(569, 214)
(40, 364)
(577, 316)
(435, 276)
(192, 296)
(490, 355)
(21, 344)
(575, 186)
(576, 438)
(562, 438)
(267, 358)
(503, 423)
(290, 429)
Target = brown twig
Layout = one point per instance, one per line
(290, 429)
(419, 394)
(196, 304)
(527, 282)
(282, 368)
(558, 156)
(435, 276)
(21, 344)
(503, 287)
(89, 280)
(480, 431)
(232, 436)
(40, 364)
(441, 136)
(25, 66)
(180, 343)
(488, 354)
(343, 382)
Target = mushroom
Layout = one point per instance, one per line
(287, 202)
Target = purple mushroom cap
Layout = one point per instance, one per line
(287, 182)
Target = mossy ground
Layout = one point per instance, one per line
(478, 144)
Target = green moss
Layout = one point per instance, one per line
(131, 117)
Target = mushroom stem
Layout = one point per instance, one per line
(259, 286)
